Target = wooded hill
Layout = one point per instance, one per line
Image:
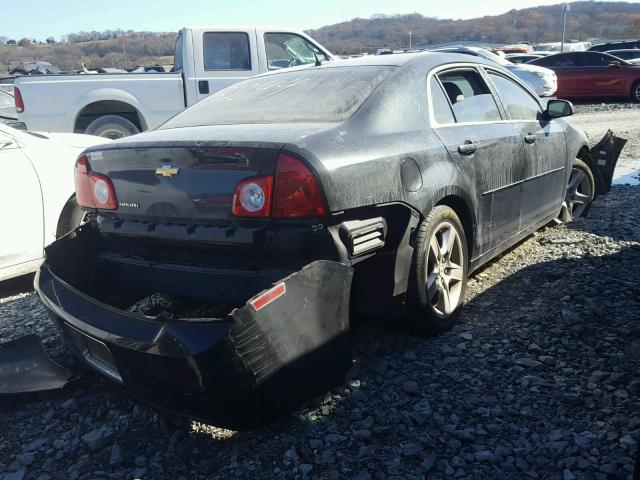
(585, 20)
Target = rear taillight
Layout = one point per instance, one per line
(17, 98)
(252, 197)
(93, 189)
(293, 194)
(296, 192)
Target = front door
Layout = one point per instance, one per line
(486, 148)
(544, 148)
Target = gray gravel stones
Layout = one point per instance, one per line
(99, 438)
(538, 381)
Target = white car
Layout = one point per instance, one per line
(542, 81)
(36, 194)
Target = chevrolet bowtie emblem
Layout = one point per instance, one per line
(167, 171)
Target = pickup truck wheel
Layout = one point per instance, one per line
(635, 92)
(439, 273)
(580, 192)
(112, 126)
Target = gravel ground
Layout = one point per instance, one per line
(538, 380)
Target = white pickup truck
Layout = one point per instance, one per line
(115, 105)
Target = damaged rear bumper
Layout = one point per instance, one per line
(284, 345)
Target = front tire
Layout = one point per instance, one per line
(439, 273)
(112, 126)
(580, 192)
(635, 92)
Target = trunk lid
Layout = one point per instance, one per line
(180, 183)
(190, 175)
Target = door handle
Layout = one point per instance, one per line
(530, 138)
(467, 148)
(203, 87)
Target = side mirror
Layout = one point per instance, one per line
(558, 108)
(615, 64)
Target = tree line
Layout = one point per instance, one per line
(585, 20)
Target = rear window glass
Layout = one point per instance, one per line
(310, 95)
(469, 96)
(226, 51)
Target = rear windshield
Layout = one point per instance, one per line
(310, 95)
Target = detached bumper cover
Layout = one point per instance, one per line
(26, 368)
(257, 363)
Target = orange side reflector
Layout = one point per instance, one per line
(269, 296)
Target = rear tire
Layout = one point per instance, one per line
(580, 192)
(439, 272)
(635, 92)
(112, 126)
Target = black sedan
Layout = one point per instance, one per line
(225, 251)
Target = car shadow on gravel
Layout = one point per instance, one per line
(538, 379)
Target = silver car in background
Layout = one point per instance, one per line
(542, 81)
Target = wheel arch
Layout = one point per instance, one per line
(458, 204)
(65, 215)
(584, 154)
(109, 103)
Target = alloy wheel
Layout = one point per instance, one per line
(578, 193)
(445, 270)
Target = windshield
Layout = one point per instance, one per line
(308, 95)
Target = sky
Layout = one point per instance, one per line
(43, 18)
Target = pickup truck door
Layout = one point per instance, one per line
(221, 58)
(281, 49)
(21, 215)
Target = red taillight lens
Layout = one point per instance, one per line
(93, 190)
(296, 193)
(83, 189)
(17, 98)
(252, 197)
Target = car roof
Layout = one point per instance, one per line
(429, 59)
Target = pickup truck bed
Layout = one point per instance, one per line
(125, 94)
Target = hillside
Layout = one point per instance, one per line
(140, 50)
(538, 24)
(586, 20)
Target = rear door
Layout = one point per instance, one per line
(544, 148)
(568, 71)
(485, 147)
(222, 58)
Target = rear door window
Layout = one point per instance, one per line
(470, 97)
(226, 51)
(520, 105)
(442, 112)
(288, 50)
(594, 59)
